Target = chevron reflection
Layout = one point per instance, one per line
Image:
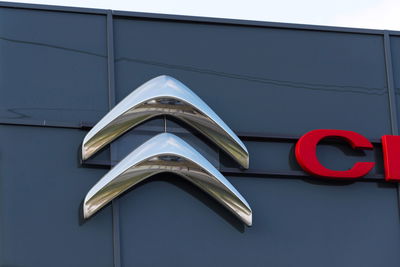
(166, 153)
(164, 95)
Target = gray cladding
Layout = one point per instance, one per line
(263, 79)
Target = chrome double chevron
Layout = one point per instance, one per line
(165, 152)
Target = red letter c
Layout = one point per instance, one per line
(306, 155)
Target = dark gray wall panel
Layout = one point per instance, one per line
(267, 80)
(262, 79)
(53, 66)
(167, 222)
(41, 189)
(395, 49)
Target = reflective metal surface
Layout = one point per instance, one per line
(166, 153)
(164, 95)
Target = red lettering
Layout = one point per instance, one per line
(306, 155)
(391, 157)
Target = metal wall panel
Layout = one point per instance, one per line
(53, 67)
(267, 81)
(263, 80)
(41, 190)
(395, 48)
(167, 222)
(56, 70)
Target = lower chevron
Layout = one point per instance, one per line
(166, 153)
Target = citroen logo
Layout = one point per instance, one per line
(165, 152)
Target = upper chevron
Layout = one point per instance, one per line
(164, 95)
(166, 153)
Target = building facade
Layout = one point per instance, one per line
(63, 69)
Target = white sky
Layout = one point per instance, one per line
(373, 14)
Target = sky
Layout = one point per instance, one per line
(372, 14)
